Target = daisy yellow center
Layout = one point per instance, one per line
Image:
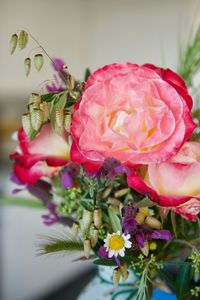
(116, 242)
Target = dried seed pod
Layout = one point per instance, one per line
(140, 218)
(113, 201)
(121, 192)
(97, 217)
(23, 39)
(94, 235)
(67, 120)
(116, 276)
(35, 98)
(86, 221)
(38, 61)
(87, 248)
(26, 123)
(107, 192)
(70, 82)
(13, 43)
(36, 119)
(44, 106)
(145, 249)
(33, 106)
(27, 66)
(59, 118)
(153, 222)
(124, 272)
(75, 229)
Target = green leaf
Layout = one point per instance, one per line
(115, 221)
(33, 134)
(56, 244)
(38, 61)
(183, 282)
(23, 39)
(87, 74)
(48, 97)
(105, 262)
(87, 203)
(13, 43)
(16, 201)
(168, 278)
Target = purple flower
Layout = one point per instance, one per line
(51, 217)
(60, 78)
(103, 253)
(58, 64)
(161, 234)
(69, 173)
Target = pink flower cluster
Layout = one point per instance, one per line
(138, 115)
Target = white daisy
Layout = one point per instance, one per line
(116, 243)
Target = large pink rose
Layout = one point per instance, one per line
(175, 183)
(42, 157)
(135, 114)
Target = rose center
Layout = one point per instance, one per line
(116, 242)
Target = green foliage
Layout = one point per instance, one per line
(183, 281)
(114, 220)
(16, 201)
(87, 74)
(105, 262)
(59, 244)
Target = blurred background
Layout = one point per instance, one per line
(85, 33)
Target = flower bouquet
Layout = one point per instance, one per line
(116, 157)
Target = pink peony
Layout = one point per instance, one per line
(42, 157)
(175, 183)
(135, 114)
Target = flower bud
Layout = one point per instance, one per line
(87, 248)
(97, 217)
(121, 192)
(153, 222)
(23, 39)
(114, 201)
(75, 229)
(26, 123)
(36, 119)
(116, 276)
(139, 218)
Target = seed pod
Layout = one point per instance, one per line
(121, 192)
(113, 201)
(59, 118)
(97, 217)
(33, 106)
(86, 221)
(124, 272)
(23, 39)
(13, 43)
(107, 192)
(38, 61)
(35, 98)
(75, 229)
(67, 120)
(87, 248)
(94, 235)
(26, 123)
(153, 222)
(27, 66)
(116, 276)
(36, 119)
(44, 106)
(145, 249)
(139, 218)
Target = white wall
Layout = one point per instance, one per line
(86, 33)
